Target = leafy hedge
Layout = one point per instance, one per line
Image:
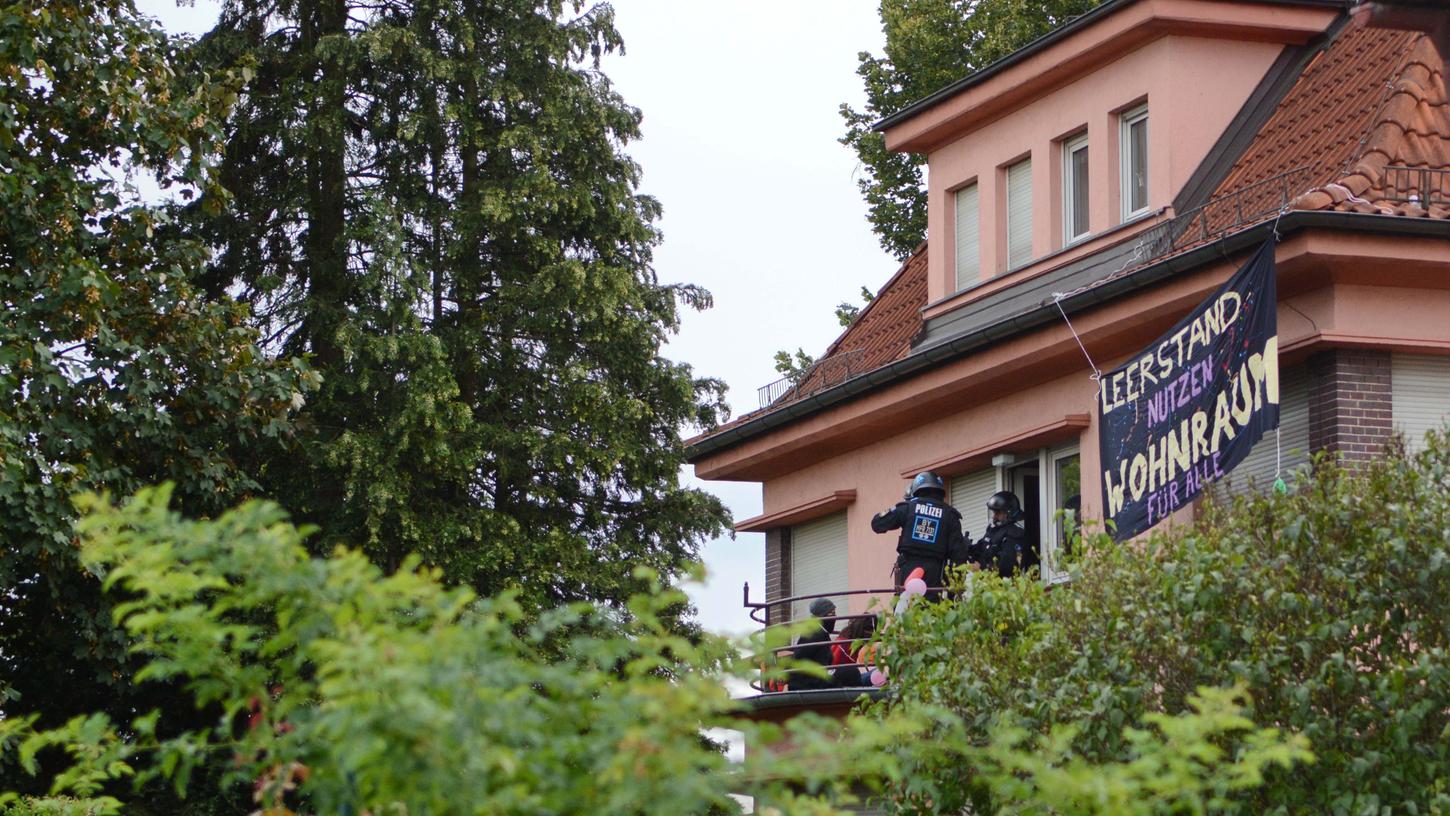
(1330, 606)
(1284, 655)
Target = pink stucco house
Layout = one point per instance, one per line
(1122, 168)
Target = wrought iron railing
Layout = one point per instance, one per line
(1419, 185)
(774, 391)
(828, 371)
(1227, 213)
(760, 612)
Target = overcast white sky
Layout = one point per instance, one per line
(740, 106)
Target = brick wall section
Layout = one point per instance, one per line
(1350, 403)
(777, 571)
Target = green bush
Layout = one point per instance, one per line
(1319, 616)
(1329, 606)
(343, 690)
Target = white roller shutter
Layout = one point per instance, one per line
(1258, 467)
(1421, 401)
(969, 248)
(1019, 214)
(970, 492)
(818, 561)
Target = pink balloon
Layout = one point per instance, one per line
(915, 586)
(878, 677)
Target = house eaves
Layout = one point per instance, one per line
(972, 341)
(1048, 40)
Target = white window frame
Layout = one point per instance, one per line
(1126, 120)
(1069, 191)
(1051, 523)
(973, 266)
(1027, 257)
(1049, 526)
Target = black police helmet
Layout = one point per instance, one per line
(1005, 501)
(927, 481)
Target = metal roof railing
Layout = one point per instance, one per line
(1418, 185)
(833, 369)
(1224, 214)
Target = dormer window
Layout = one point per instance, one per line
(1133, 143)
(1019, 214)
(1074, 189)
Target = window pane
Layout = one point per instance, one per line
(1079, 187)
(1069, 481)
(1067, 487)
(1138, 164)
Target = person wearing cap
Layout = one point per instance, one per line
(815, 646)
(931, 532)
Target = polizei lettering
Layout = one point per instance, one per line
(928, 510)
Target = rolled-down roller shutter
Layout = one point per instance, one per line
(818, 561)
(969, 249)
(970, 492)
(1258, 468)
(1019, 214)
(1421, 395)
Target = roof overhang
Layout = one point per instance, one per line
(721, 455)
(980, 454)
(1087, 42)
(805, 511)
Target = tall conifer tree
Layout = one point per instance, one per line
(433, 202)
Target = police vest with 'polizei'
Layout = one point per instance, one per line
(926, 529)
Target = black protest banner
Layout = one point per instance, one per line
(1187, 409)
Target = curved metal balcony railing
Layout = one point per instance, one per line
(760, 612)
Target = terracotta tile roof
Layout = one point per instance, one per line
(880, 334)
(1410, 130)
(1373, 99)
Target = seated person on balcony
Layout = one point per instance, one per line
(1003, 547)
(815, 646)
(931, 532)
(856, 649)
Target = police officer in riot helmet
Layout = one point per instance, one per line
(931, 531)
(1004, 546)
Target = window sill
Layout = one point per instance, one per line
(1084, 246)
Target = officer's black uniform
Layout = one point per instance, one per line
(1002, 548)
(931, 537)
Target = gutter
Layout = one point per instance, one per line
(1085, 19)
(1046, 312)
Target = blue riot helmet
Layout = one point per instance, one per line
(928, 484)
(1005, 501)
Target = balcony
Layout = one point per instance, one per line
(776, 704)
